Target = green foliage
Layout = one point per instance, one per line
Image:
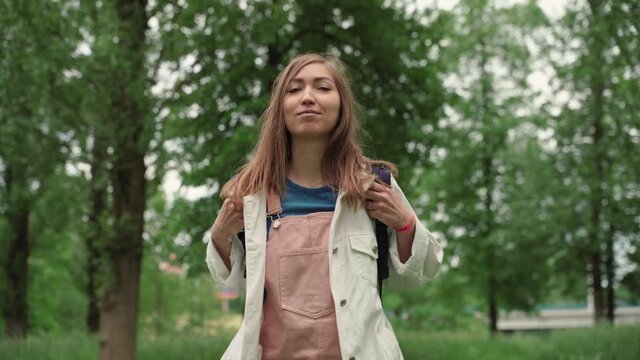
(440, 305)
(172, 304)
(475, 192)
(594, 166)
(57, 297)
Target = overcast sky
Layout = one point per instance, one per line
(553, 8)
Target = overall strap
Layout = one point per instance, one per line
(273, 204)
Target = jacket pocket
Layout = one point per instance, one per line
(304, 282)
(365, 255)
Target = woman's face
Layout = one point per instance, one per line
(311, 103)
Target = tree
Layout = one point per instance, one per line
(128, 137)
(31, 142)
(595, 140)
(475, 185)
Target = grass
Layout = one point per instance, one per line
(81, 347)
(602, 343)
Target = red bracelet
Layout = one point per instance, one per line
(406, 227)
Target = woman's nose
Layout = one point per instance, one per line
(307, 97)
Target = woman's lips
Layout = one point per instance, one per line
(309, 112)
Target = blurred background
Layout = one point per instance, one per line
(515, 126)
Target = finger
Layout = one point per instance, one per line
(384, 184)
(373, 195)
(378, 207)
(377, 187)
(237, 203)
(231, 203)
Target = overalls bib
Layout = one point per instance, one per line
(299, 319)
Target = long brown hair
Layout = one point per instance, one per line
(343, 165)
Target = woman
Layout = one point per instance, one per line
(307, 202)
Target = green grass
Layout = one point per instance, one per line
(81, 347)
(603, 343)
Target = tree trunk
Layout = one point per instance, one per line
(489, 182)
(15, 311)
(596, 286)
(493, 306)
(123, 251)
(595, 258)
(611, 271)
(597, 87)
(95, 240)
(119, 307)
(611, 301)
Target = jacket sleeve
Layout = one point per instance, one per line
(426, 254)
(224, 279)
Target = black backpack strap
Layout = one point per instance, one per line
(382, 237)
(244, 247)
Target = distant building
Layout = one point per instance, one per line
(168, 267)
(563, 318)
(225, 295)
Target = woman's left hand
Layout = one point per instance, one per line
(385, 205)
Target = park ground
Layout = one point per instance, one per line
(600, 343)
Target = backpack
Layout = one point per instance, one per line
(382, 237)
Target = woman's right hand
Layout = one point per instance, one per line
(229, 222)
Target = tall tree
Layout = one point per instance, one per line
(31, 143)
(93, 135)
(128, 137)
(472, 190)
(595, 137)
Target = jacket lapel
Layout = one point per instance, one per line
(255, 226)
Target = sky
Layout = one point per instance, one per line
(553, 8)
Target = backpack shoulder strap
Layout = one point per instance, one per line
(382, 237)
(244, 248)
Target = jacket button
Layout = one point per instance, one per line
(335, 250)
(375, 249)
(343, 302)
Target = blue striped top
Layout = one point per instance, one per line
(300, 200)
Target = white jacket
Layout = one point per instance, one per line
(364, 330)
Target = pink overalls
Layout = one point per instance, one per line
(299, 319)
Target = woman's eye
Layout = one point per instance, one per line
(324, 88)
(293, 90)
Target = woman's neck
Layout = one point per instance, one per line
(305, 168)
